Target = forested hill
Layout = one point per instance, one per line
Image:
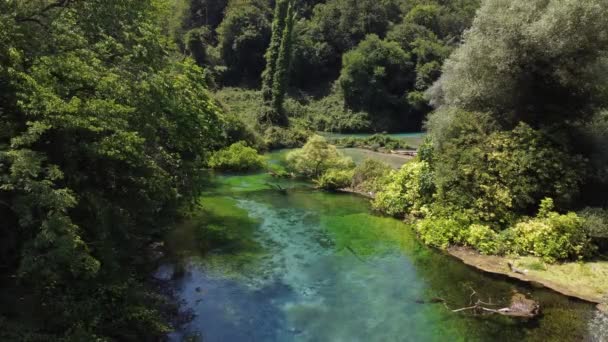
(357, 65)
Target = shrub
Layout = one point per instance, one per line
(501, 174)
(595, 222)
(407, 191)
(441, 231)
(551, 235)
(237, 157)
(328, 114)
(370, 176)
(334, 179)
(279, 137)
(482, 238)
(316, 157)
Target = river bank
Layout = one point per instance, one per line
(587, 281)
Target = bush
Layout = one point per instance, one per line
(442, 231)
(552, 236)
(335, 179)
(370, 176)
(407, 191)
(501, 174)
(317, 157)
(278, 137)
(595, 222)
(328, 114)
(237, 157)
(482, 238)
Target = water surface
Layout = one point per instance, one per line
(260, 264)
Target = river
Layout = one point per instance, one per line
(264, 263)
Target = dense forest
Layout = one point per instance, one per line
(110, 111)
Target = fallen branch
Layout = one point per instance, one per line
(520, 306)
(516, 270)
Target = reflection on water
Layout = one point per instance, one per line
(313, 266)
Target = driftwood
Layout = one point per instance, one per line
(520, 306)
(516, 270)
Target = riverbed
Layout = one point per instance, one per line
(261, 262)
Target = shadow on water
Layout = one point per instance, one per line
(260, 265)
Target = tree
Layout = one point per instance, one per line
(375, 78)
(272, 53)
(280, 80)
(316, 157)
(520, 62)
(103, 137)
(243, 37)
(337, 26)
(278, 61)
(499, 174)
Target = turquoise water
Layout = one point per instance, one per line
(259, 264)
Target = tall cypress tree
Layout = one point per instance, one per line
(279, 84)
(278, 25)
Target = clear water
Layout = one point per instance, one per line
(261, 264)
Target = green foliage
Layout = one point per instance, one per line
(482, 238)
(316, 158)
(442, 231)
(283, 62)
(551, 235)
(408, 190)
(103, 137)
(337, 26)
(500, 173)
(370, 176)
(374, 78)
(243, 37)
(521, 63)
(281, 137)
(328, 114)
(595, 222)
(272, 53)
(237, 157)
(335, 179)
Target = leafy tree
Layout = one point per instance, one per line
(374, 78)
(337, 26)
(208, 13)
(243, 37)
(317, 157)
(521, 63)
(272, 53)
(237, 157)
(103, 136)
(280, 80)
(408, 190)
